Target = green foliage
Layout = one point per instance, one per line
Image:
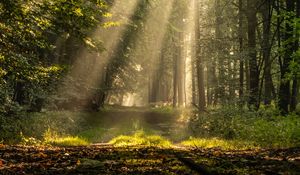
(29, 31)
(140, 138)
(40, 125)
(264, 128)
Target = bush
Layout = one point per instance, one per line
(35, 125)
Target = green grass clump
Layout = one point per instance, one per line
(140, 139)
(218, 143)
(67, 141)
(52, 138)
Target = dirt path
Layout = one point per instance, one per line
(127, 121)
(106, 159)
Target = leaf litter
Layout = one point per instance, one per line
(107, 159)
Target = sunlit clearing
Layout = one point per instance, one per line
(219, 143)
(140, 139)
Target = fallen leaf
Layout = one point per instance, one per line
(78, 162)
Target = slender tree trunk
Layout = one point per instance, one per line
(199, 62)
(214, 80)
(295, 87)
(194, 93)
(180, 71)
(284, 90)
(208, 86)
(266, 49)
(253, 67)
(241, 48)
(221, 92)
(175, 81)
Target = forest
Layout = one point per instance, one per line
(149, 87)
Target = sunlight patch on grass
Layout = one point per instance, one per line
(140, 139)
(67, 141)
(218, 143)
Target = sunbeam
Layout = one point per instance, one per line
(89, 66)
(149, 44)
(189, 43)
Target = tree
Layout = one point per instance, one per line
(284, 90)
(199, 61)
(253, 67)
(266, 49)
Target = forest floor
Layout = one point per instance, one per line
(107, 159)
(103, 158)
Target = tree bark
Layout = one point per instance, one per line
(180, 71)
(266, 49)
(253, 67)
(241, 48)
(284, 90)
(199, 62)
(295, 87)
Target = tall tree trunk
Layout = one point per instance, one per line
(221, 92)
(208, 86)
(253, 67)
(175, 81)
(194, 75)
(241, 48)
(199, 61)
(266, 49)
(295, 87)
(284, 90)
(180, 71)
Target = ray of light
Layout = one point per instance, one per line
(188, 47)
(149, 43)
(88, 67)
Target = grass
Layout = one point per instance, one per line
(67, 141)
(218, 143)
(226, 127)
(52, 138)
(140, 139)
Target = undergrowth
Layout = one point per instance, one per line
(228, 127)
(264, 128)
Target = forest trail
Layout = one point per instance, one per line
(107, 159)
(129, 120)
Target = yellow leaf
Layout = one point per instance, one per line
(78, 12)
